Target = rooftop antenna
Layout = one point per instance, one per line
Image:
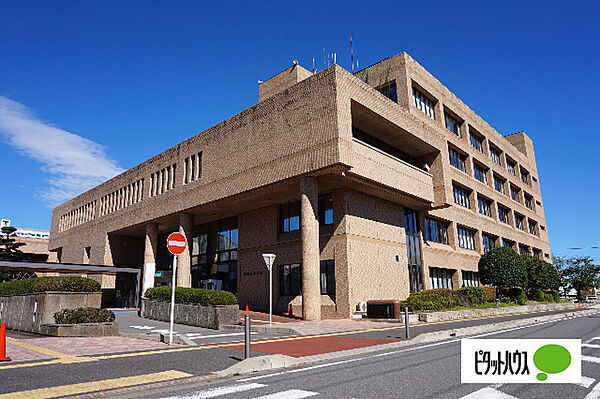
(324, 58)
(313, 54)
(351, 55)
(334, 58)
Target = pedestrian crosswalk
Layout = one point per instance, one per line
(191, 335)
(235, 390)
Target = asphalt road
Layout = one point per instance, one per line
(429, 371)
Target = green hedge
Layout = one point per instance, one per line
(44, 284)
(437, 299)
(192, 295)
(84, 315)
(490, 292)
(476, 295)
(516, 295)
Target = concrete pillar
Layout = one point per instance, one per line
(311, 286)
(150, 251)
(184, 272)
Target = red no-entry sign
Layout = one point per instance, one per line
(176, 243)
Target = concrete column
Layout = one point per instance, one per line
(150, 251)
(184, 272)
(311, 286)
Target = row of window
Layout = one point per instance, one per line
(78, 216)
(289, 214)
(462, 197)
(290, 278)
(442, 278)
(480, 173)
(122, 198)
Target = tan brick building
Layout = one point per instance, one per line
(400, 186)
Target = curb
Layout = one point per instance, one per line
(272, 362)
(276, 330)
(179, 340)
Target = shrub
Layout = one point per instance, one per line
(84, 315)
(502, 267)
(436, 299)
(192, 295)
(490, 292)
(537, 295)
(476, 295)
(548, 297)
(515, 294)
(555, 295)
(45, 284)
(540, 274)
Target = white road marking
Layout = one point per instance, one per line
(220, 391)
(591, 359)
(290, 394)
(586, 382)
(142, 327)
(593, 339)
(590, 346)
(595, 393)
(216, 335)
(488, 393)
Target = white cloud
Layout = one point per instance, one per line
(75, 164)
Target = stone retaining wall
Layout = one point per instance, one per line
(192, 314)
(506, 310)
(81, 330)
(30, 311)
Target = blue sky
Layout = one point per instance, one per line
(91, 88)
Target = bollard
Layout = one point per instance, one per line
(3, 357)
(246, 337)
(497, 302)
(406, 323)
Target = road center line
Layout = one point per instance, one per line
(220, 391)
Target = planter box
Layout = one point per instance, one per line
(30, 311)
(505, 310)
(192, 314)
(81, 330)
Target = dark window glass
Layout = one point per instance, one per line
(529, 202)
(489, 242)
(466, 238)
(523, 249)
(480, 173)
(503, 215)
(499, 185)
(440, 278)
(290, 279)
(477, 142)
(388, 89)
(524, 176)
(423, 103)
(495, 155)
(514, 193)
(510, 166)
(461, 197)
(533, 227)
(325, 209)
(383, 146)
(453, 125)
(470, 279)
(289, 217)
(436, 231)
(485, 207)
(508, 243)
(457, 160)
(327, 277)
(519, 222)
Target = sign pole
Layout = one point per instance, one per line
(269, 259)
(172, 299)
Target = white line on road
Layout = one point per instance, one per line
(586, 382)
(590, 359)
(593, 339)
(214, 392)
(488, 393)
(290, 394)
(194, 336)
(595, 393)
(590, 346)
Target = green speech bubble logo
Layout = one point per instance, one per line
(551, 359)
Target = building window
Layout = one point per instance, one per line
(436, 231)
(495, 156)
(470, 279)
(519, 222)
(503, 215)
(537, 253)
(529, 202)
(388, 89)
(514, 193)
(477, 142)
(289, 217)
(461, 197)
(499, 184)
(325, 209)
(423, 103)
(466, 238)
(508, 243)
(485, 206)
(327, 277)
(457, 160)
(524, 176)
(510, 166)
(532, 227)
(489, 242)
(290, 279)
(440, 278)
(523, 249)
(453, 125)
(480, 173)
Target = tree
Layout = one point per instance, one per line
(541, 275)
(560, 264)
(9, 247)
(581, 273)
(502, 267)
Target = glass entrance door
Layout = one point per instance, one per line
(413, 249)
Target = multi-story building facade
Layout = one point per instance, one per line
(365, 186)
